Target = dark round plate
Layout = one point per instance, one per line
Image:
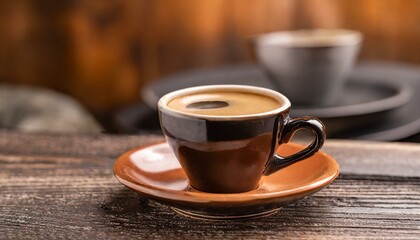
(362, 104)
(362, 97)
(377, 103)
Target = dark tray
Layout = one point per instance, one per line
(376, 112)
(387, 124)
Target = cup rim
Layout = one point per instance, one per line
(330, 37)
(164, 100)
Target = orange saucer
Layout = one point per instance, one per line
(154, 171)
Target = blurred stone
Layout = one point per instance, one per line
(33, 109)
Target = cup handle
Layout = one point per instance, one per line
(290, 127)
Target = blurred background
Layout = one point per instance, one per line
(103, 53)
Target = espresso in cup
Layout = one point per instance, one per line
(226, 103)
(225, 136)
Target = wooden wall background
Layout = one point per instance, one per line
(103, 52)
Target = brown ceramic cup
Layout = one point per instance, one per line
(230, 154)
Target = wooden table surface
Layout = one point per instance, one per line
(56, 186)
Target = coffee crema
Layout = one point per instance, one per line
(224, 103)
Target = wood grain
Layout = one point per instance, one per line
(55, 186)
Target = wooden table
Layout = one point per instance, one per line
(55, 186)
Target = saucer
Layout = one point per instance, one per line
(154, 171)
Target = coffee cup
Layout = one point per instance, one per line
(225, 136)
(308, 66)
